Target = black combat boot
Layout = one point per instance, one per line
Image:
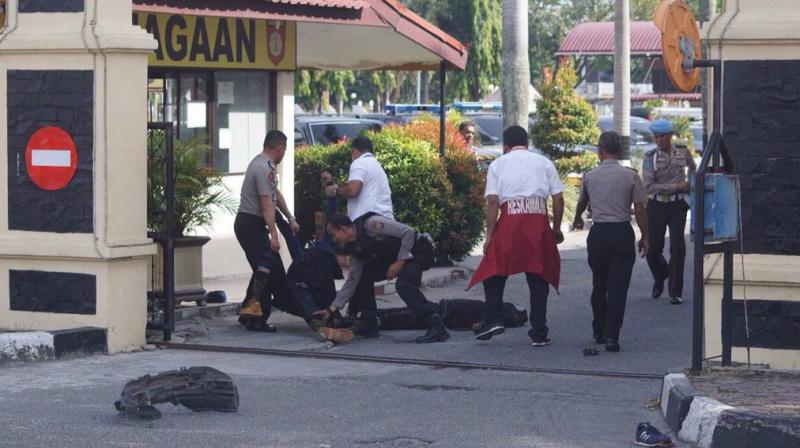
(436, 331)
(367, 326)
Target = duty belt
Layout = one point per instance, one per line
(667, 197)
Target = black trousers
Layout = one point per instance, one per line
(612, 254)
(251, 232)
(539, 289)
(407, 285)
(660, 216)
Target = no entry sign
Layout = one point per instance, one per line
(51, 158)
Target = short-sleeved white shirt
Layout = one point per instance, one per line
(375, 196)
(521, 174)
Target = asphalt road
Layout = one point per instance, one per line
(297, 402)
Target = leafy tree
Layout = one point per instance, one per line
(565, 119)
(311, 85)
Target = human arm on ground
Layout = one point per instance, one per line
(349, 288)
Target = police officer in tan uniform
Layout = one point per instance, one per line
(664, 175)
(611, 189)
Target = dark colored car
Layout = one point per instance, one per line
(313, 130)
(490, 126)
(383, 118)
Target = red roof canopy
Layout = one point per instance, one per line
(388, 15)
(597, 38)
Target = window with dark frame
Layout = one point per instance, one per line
(230, 110)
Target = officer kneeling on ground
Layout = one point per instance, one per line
(384, 249)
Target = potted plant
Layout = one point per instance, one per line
(199, 190)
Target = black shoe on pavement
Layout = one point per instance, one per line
(486, 330)
(658, 289)
(540, 342)
(538, 339)
(612, 345)
(367, 326)
(260, 325)
(436, 331)
(676, 300)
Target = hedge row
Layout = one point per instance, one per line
(441, 197)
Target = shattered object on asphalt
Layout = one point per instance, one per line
(200, 389)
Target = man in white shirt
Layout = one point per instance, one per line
(367, 188)
(521, 240)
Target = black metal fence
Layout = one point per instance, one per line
(161, 190)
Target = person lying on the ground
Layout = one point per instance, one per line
(457, 314)
(383, 249)
(309, 283)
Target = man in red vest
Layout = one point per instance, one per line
(521, 240)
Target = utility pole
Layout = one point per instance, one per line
(622, 75)
(516, 73)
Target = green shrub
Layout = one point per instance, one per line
(579, 163)
(565, 120)
(309, 164)
(443, 199)
(199, 190)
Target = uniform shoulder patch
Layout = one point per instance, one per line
(647, 163)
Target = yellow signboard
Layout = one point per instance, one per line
(220, 42)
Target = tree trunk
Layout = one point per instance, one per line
(426, 87)
(622, 75)
(515, 64)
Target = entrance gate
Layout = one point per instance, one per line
(160, 209)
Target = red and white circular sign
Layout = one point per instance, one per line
(51, 158)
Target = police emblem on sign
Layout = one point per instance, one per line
(276, 41)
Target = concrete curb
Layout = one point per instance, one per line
(708, 423)
(436, 281)
(209, 311)
(48, 345)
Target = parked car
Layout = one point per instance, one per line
(383, 118)
(313, 130)
(641, 135)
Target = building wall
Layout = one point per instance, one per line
(85, 263)
(760, 49)
(222, 256)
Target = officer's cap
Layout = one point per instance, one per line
(661, 127)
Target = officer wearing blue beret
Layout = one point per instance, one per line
(664, 176)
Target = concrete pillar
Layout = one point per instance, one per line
(75, 255)
(760, 50)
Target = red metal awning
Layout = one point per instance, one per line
(597, 38)
(340, 34)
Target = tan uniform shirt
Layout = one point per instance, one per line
(663, 170)
(611, 188)
(259, 180)
(376, 227)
